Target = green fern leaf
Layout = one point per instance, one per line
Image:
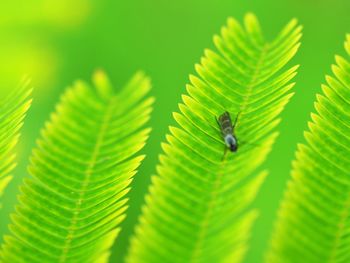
(198, 209)
(82, 168)
(13, 109)
(314, 218)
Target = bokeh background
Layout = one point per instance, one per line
(57, 41)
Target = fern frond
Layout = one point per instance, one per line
(198, 209)
(81, 170)
(314, 219)
(13, 108)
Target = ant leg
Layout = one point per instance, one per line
(217, 121)
(235, 122)
(244, 143)
(225, 153)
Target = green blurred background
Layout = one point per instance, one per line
(58, 41)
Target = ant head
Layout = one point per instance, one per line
(231, 142)
(233, 147)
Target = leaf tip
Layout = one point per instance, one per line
(294, 21)
(176, 116)
(102, 83)
(250, 16)
(296, 67)
(347, 44)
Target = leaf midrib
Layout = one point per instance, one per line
(88, 172)
(340, 229)
(254, 77)
(218, 178)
